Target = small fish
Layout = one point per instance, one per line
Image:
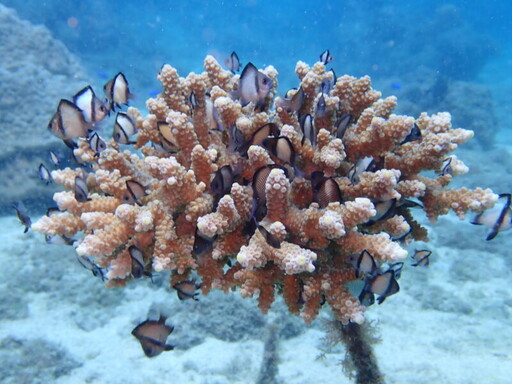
(384, 210)
(68, 122)
(124, 128)
(87, 263)
(446, 169)
(328, 84)
(384, 284)
(270, 239)
(397, 269)
(134, 192)
(186, 289)
(408, 203)
(325, 57)
(212, 116)
(342, 124)
(402, 236)
(294, 103)
(365, 164)
(233, 62)
(498, 219)
(280, 147)
(23, 217)
(395, 85)
(222, 181)
(202, 243)
(59, 240)
(257, 138)
(254, 87)
(325, 189)
(54, 159)
(52, 211)
(152, 336)
(308, 129)
(192, 99)
(70, 143)
(364, 264)
(81, 190)
(117, 91)
(167, 138)
(97, 144)
(414, 135)
(320, 106)
(137, 258)
(44, 174)
(325, 86)
(91, 106)
(367, 298)
(421, 257)
(236, 140)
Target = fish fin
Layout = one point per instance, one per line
(492, 234)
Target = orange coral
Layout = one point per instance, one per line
(299, 244)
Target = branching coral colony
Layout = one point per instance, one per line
(231, 185)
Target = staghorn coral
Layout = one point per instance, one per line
(303, 236)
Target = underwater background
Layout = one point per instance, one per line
(450, 323)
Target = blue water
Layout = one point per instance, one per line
(433, 55)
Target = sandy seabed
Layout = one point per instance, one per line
(440, 328)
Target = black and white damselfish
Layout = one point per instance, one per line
(498, 218)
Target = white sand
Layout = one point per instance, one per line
(418, 345)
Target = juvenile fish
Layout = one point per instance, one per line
(254, 87)
(91, 106)
(167, 138)
(364, 264)
(421, 258)
(498, 219)
(68, 122)
(23, 217)
(325, 189)
(54, 159)
(117, 91)
(414, 135)
(81, 190)
(383, 284)
(270, 239)
(152, 336)
(223, 180)
(97, 144)
(124, 128)
(87, 263)
(294, 103)
(186, 289)
(325, 57)
(280, 147)
(44, 174)
(308, 129)
(134, 192)
(233, 62)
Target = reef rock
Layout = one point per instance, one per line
(35, 72)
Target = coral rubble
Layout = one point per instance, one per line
(267, 210)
